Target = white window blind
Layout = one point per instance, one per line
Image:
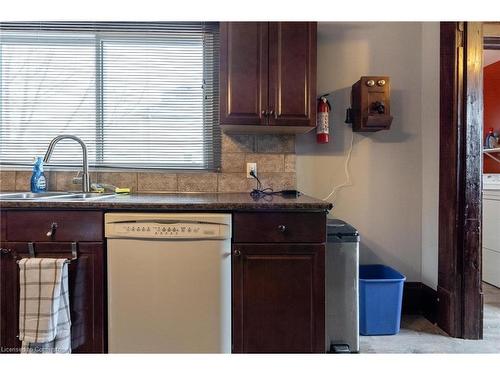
(141, 95)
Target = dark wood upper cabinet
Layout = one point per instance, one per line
(292, 73)
(268, 77)
(243, 78)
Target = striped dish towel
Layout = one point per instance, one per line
(44, 317)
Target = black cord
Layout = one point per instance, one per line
(263, 193)
(259, 192)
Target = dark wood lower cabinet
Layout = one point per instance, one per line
(278, 298)
(278, 285)
(86, 288)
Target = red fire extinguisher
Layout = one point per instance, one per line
(324, 107)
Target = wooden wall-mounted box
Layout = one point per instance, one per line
(371, 104)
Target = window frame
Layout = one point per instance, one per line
(99, 38)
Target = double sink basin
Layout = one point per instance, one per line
(53, 195)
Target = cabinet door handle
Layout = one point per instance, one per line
(271, 112)
(237, 253)
(264, 113)
(281, 228)
(52, 230)
(5, 251)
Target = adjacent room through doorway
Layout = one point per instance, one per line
(491, 180)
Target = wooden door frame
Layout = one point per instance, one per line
(460, 297)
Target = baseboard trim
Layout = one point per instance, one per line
(420, 299)
(412, 298)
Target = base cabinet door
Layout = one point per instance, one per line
(86, 280)
(9, 302)
(278, 298)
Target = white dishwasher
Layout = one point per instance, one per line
(169, 282)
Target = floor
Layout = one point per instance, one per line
(418, 335)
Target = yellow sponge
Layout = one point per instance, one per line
(122, 190)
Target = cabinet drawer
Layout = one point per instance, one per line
(279, 227)
(71, 225)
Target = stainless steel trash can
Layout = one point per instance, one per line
(342, 285)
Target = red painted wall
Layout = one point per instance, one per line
(491, 92)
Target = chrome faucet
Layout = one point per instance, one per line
(85, 163)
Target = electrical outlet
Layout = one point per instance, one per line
(251, 167)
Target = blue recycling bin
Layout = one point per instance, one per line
(380, 300)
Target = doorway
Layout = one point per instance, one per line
(491, 180)
(459, 289)
(460, 279)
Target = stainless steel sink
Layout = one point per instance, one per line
(86, 196)
(31, 196)
(54, 195)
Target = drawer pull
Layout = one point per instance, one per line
(52, 231)
(281, 228)
(237, 253)
(5, 251)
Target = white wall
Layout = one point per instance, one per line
(387, 198)
(430, 152)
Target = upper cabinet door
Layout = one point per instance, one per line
(244, 77)
(292, 73)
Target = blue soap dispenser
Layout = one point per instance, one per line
(38, 180)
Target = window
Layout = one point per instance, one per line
(141, 95)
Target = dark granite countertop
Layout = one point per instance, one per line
(179, 201)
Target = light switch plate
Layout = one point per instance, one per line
(251, 167)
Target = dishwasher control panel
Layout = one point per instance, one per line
(165, 230)
(165, 226)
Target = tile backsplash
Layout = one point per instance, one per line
(274, 155)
